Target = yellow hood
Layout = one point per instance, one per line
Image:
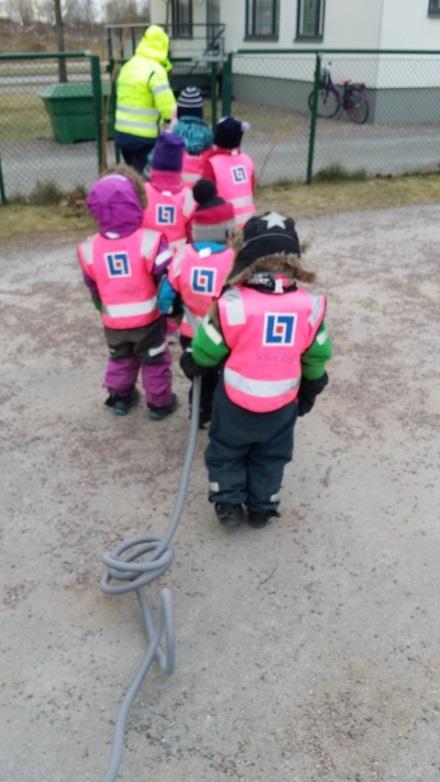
(154, 46)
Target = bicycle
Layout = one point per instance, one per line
(353, 98)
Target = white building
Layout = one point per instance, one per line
(305, 26)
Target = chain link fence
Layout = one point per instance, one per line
(374, 113)
(312, 114)
(50, 131)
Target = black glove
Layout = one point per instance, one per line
(308, 391)
(189, 366)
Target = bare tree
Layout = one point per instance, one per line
(59, 26)
(25, 10)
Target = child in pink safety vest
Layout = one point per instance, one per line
(122, 265)
(196, 134)
(231, 169)
(170, 203)
(268, 333)
(198, 273)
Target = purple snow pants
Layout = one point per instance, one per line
(146, 349)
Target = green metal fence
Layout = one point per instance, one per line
(327, 112)
(60, 134)
(301, 126)
(41, 120)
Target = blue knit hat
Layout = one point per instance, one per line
(168, 153)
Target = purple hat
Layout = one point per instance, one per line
(168, 153)
(115, 205)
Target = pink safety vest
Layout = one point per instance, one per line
(234, 176)
(266, 334)
(169, 213)
(193, 165)
(199, 276)
(122, 270)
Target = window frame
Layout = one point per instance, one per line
(319, 23)
(176, 25)
(254, 36)
(433, 11)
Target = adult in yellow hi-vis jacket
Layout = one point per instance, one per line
(144, 98)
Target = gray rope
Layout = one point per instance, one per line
(123, 566)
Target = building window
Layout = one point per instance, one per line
(434, 8)
(310, 19)
(261, 18)
(182, 16)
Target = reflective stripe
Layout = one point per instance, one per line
(190, 177)
(234, 305)
(87, 250)
(316, 309)
(139, 112)
(260, 388)
(127, 310)
(126, 123)
(177, 262)
(188, 204)
(211, 332)
(155, 351)
(245, 201)
(214, 486)
(178, 244)
(162, 257)
(148, 242)
(275, 497)
(160, 88)
(322, 337)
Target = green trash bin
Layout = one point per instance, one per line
(71, 111)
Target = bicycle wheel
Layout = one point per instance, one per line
(328, 103)
(357, 106)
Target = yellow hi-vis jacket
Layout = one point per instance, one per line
(144, 96)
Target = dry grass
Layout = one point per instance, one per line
(297, 200)
(301, 200)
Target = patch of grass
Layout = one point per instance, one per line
(301, 200)
(23, 117)
(338, 173)
(46, 194)
(24, 220)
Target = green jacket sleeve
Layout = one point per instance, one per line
(314, 359)
(208, 345)
(163, 95)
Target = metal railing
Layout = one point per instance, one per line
(202, 40)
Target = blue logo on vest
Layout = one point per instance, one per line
(239, 174)
(203, 280)
(279, 329)
(165, 214)
(118, 264)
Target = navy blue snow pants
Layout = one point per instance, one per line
(247, 453)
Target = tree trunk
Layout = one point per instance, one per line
(62, 71)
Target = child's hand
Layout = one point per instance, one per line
(189, 367)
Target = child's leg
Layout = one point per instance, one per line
(268, 457)
(152, 350)
(122, 366)
(226, 454)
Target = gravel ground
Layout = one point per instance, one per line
(307, 651)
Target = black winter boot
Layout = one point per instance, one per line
(121, 404)
(229, 515)
(259, 518)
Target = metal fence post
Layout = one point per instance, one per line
(97, 102)
(213, 94)
(227, 86)
(313, 118)
(3, 198)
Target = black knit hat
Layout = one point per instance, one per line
(264, 235)
(213, 219)
(190, 102)
(229, 132)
